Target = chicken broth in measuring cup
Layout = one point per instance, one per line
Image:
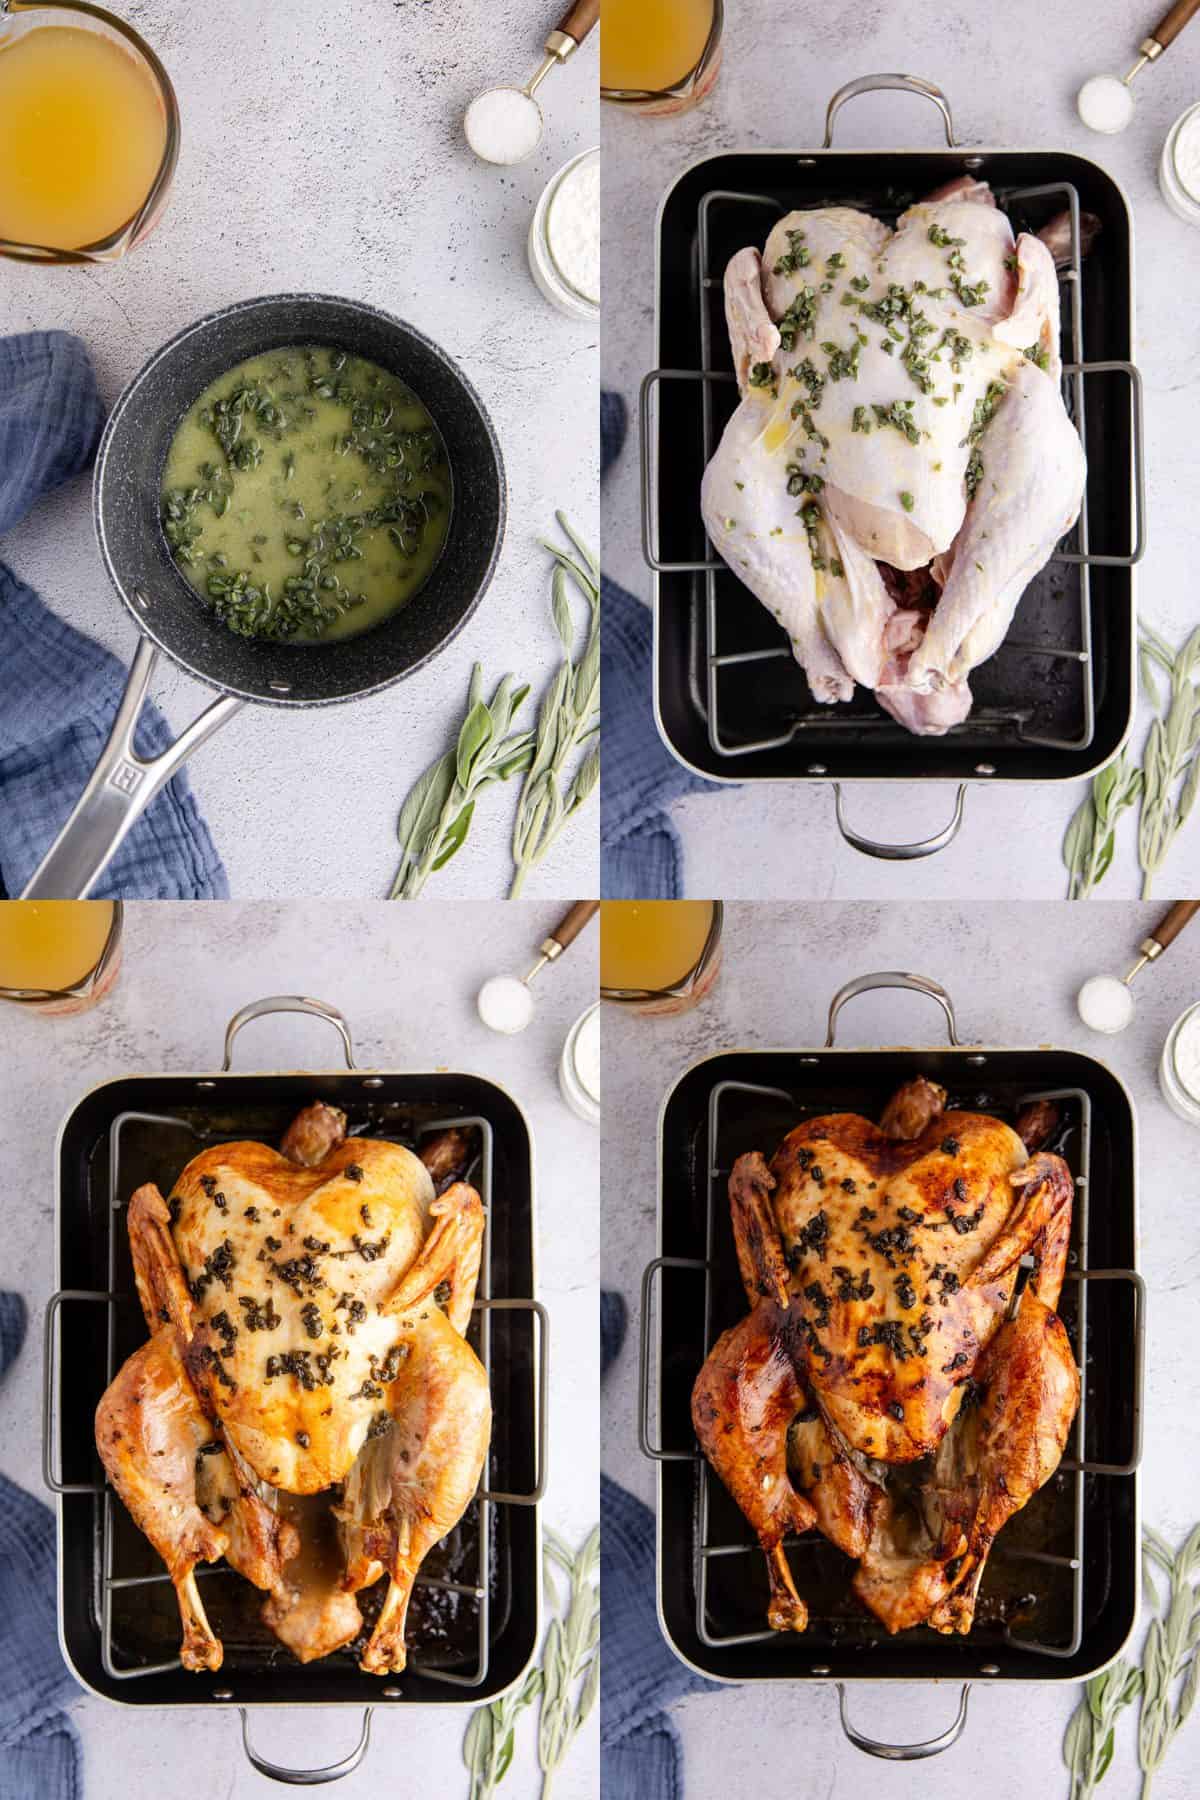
(306, 495)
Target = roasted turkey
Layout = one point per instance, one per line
(901, 464)
(902, 1382)
(307, 1405)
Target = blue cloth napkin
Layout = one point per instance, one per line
(642, 858)
(39, 1746)
(641, 1753)
(59, 690)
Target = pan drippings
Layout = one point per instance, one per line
(306, 495)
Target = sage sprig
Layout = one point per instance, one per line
(571, 1655)
(568, 1681)
(491, 1735)
(1167, 782)
(1171, 765)
(555, 788)
(1089, 843)
(1167, 1680)
(436, 817)
(1171, 1668)
(1090, 1736)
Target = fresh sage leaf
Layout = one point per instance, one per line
(472, 740)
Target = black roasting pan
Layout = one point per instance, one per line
(1056, 701)
(474, 1623)
(1060, 1595)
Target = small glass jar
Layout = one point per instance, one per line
(685, 993)
(1179, 167)
(579, 1066)
(556, 283)
(1179, 1070)
(91, 987)
(690, 88)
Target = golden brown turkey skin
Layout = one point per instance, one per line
(743, 1404)
(925, 1564)
(879, 1263)
(899, 1254)
(151, 1434)
(307, 1311)
(289, 1267)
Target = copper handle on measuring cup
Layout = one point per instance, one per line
(1172, 23)
(1183, 910)
(579, 19)
(570, 926)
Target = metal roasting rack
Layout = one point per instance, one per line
(1004, 723)
(1075, 1463)
(476, 1593)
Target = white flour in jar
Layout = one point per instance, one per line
(1187, 155)
(587, 1054)
(573, 228)
(1187, 1055)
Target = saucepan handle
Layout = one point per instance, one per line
(901, 852)
(869, 84)
(891, 978)
(906, 1752)
(288, 1003)
(119, 790)
(307, 1777)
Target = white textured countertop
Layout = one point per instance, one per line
(1013, 973)
(1011, 73)
(323, 151)
(406, 981)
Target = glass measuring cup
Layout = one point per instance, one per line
(19, 21)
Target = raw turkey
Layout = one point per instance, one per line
(307, 1406)
(902, 1382)
(900, 410)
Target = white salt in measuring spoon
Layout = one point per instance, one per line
(506, 1004)
(1105, 102)
(1106, 1004)
(504, 125)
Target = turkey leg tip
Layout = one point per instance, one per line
(201, 1647)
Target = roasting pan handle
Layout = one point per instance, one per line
(901, 852)
(906, 1752)
(645, 1437)
(651, 554)
(869, 84)
(891, 978)
(119, 790)
(307, 1777)
(541, 1400)
(291, 1003)
(51, 1474)
(1135, 1281)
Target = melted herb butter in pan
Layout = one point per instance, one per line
(306, 495)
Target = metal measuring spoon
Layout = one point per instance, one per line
(505, 1003)
(1105, 103)
(1106, 1004)
(504, 125)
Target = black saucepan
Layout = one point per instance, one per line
(172, 618)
